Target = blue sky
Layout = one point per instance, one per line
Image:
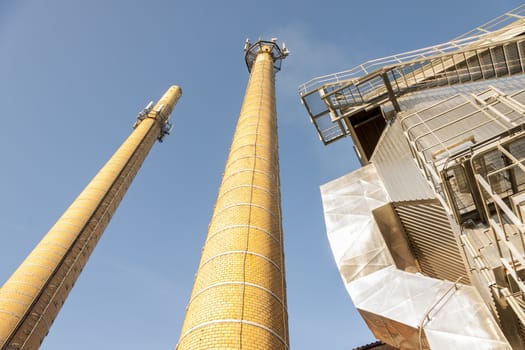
(74, 74)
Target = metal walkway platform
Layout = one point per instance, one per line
(494, 50)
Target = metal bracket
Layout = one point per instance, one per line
(165, 130)
(143, 114)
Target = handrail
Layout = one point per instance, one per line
(367, 66)
(426, 316)
(427, 52)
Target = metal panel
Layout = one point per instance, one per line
(411, 311)
(395, 165)
(395, 237)
(432, 240)
(357, 244)
(406, 310)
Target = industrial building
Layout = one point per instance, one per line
(428, 235)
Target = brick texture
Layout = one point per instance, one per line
(239, 299)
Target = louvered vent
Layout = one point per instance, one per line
(432, 240)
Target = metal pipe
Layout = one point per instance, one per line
(32, 297)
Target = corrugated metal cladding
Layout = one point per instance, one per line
(432, 240)
(395, 165)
